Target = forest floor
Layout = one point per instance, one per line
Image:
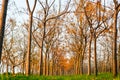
(102, 76)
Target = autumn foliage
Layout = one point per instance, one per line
(72, 37)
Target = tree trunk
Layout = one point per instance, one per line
(2, 23)
(52, 63)
(77, 66)
(115, 44)
(89, 56)
(13, 69)
(41, 55)
(81, 66)
(29, 46)
(119, 58)
(7, 68)
(45, 65)
(7, 64)
(48, 65)
(95, 56)
(23, 68)
(29, 36)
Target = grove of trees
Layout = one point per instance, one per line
(60, 37)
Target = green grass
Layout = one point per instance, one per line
(102, 76)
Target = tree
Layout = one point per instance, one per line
(116, 11)
(119, 58)
(89, 56)
(3, 14)
(12, 47)
(29, 35)
(96, 16)
(46, 8)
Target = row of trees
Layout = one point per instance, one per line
(75, 38)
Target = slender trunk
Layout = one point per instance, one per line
(115, 44)
(7, 64)
(108, 63)
(7, 69)
(24, 55)
(77, 65)
(119, 58)
(41, 55)
(74, 68)
(81, 66)
(53, 67)
(2, 23)
(13, 69)
(23, 66)
(51, 70)
(29, 46)
(53, 64)
(95, 56)
(89, 56)
(45, 65)
(48, 65)
(41, 60)
(119, 66)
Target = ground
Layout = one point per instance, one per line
(102, 76)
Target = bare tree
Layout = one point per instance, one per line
(3, 14)
(89, 56)
(29, 36)
(96, 21)
(116, 11)
(46, 18)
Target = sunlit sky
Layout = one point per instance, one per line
(21, 4)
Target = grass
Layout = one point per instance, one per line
(102, 76)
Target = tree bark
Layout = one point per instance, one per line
(95, 56)
(29, 46)
(29, 36)
(41, 54)
(119, 58)
(81, 66)
(2, 23)
(89, 56)
(115, 44)
(48, 65)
